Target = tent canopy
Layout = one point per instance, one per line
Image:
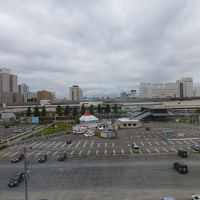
(88, 117)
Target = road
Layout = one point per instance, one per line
(146, 177)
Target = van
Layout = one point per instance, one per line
(181, 167)
(182, 153)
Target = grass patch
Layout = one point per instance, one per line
(56, 128)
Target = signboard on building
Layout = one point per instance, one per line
(35, 120)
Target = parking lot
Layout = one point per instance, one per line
(149, 142)
(145, 177)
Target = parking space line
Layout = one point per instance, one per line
(157, 150)
(178, 142)
(80, 153)
(173, 149)
(15, 146)
(37, 145)
(63, 145)
(21, 146)
(72, 152)
(122, 151)
(148, 151)
(85, 143)
(44, 144)
(88, 152)
(106, 144)
(164, 142)
(38, 154)
(57, 144)
(113, 144)
(156, 143)
(170, 142)
(71, 145)
(193, 142)
(142, 143)
(33, 143)
(7, 153)
(105, 151)
(54, 153)
(78, 144)
(92, 143)
(114, 152)
(186, 142)
(165, 150)
(98, 145)
(97, 152)
(48, 152)
(131, 151)
(15, 153)
(140, 150)
(149, 143)
(50, 145)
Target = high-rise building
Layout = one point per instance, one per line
(44, 95)
(181, 88)
(186, 87)
(197, 91)
(8, 87)
(75, 93)
(24, 90)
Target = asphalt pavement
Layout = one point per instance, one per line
(146, 177)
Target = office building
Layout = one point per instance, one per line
(24, 90)
(179, 89)
(75, 93)
(44, 95)
(197, 91)
(8, 87)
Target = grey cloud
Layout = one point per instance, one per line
(104, 46)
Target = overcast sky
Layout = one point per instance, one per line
(104, 46)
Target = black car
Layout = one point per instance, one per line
(195, 147)
(17, 158)
(182, 153)
(181, 167)
(42, 158)
(147, 129)
(62, 156)
(69, 141)
(16, 179)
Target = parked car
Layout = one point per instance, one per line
(181, 167)
(147, 129)
(195, 197)
(182, 153)
(17, 158)
(69, 141)
(42, 158)
(16, 179)
(18, 130)
(62, 156)
(89, 133)
(195, 147)
(6, 126)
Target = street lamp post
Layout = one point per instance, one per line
(25, 174)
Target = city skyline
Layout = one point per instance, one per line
(105, 47)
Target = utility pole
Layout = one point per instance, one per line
(25, 174)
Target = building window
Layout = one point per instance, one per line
(124, 124)
(129, 124)
(134, 124)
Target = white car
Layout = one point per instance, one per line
(195, 197)
(89, 133)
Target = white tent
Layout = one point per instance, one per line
(88, 117)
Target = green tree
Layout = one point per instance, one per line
(82, 109)
(197, 110)
(107, 108)
(59, 110)
(67, 110)
(36, 112)
(115, 108)
(99, 108)
(44, 112)
(28, 112)
(75, 111)
(91, 109)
